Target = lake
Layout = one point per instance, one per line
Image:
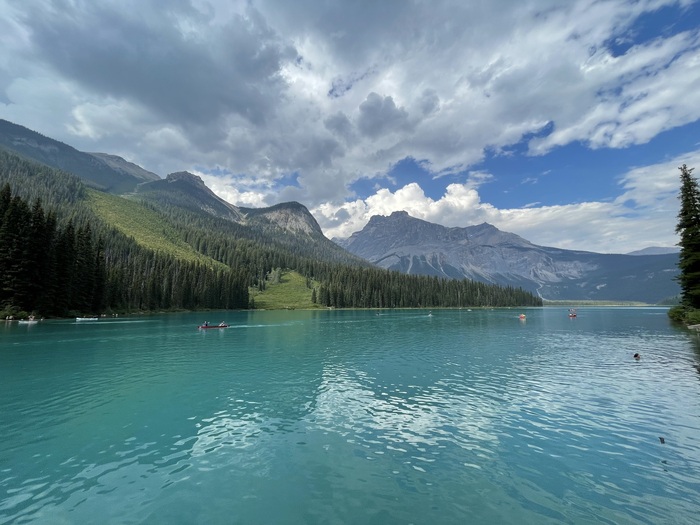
(352, 417)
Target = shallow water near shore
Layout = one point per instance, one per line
(334, 417)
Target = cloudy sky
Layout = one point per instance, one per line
(563, 121)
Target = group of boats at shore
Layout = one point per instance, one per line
(33, 320)
(206, 325)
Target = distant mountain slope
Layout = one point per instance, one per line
(187, 191)
(656, 250)
(484, 253)
(92, 169)
(119, 164)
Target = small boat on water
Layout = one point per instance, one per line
(86, 318)
(206, 326)
(27, 321)
(572, 312)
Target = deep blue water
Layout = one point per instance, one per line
(354, 417)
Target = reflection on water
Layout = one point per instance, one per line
(352, 417)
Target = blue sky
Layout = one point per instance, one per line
(563, 121)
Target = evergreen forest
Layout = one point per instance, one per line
(66, 249)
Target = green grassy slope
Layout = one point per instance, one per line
(290, 292)
(145, 226)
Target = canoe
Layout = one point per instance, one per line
(207, 327)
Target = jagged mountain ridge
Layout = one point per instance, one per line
(289, 224)
(188, 191)
(484, 253)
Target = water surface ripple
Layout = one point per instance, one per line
(341, 417)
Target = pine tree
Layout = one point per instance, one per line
(689, 229)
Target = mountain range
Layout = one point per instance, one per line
(398, 242)
(486, 254)
(286, 224)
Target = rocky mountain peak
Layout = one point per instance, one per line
(186, 176)
(290, 216)
(401, 229)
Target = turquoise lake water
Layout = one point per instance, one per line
(352, 417)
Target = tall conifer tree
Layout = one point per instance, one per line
(689, 229)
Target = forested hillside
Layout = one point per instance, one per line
(54, 244)
(67, 250)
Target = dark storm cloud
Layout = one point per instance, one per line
(315, 152)
(340, 125)
(151, 56)
(380, 115)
